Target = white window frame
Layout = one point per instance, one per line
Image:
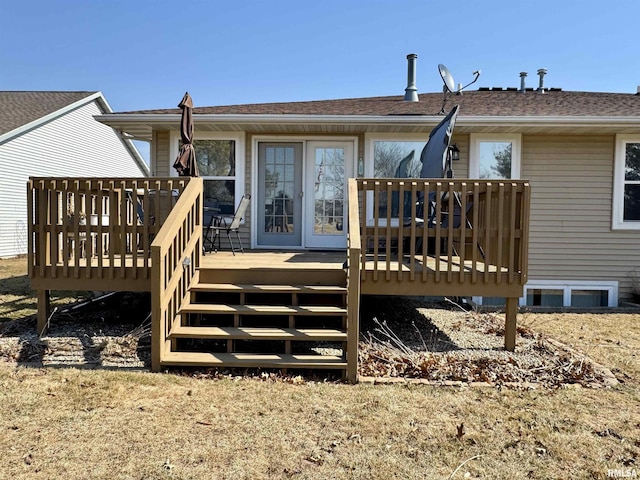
(567, 286)
(239, 138)
(516, 151)
(617, 214)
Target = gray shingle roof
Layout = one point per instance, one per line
(501, 103)
(20, 108)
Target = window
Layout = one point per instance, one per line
(220, 165)
(394, 157)
(560, 293)
(397, 159)
(544, 297)
(495, 156)
(626, 191)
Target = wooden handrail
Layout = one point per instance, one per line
(175, 254)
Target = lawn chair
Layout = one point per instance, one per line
(217, 224)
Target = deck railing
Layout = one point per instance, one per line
(444, 230)
(89, 228)
(175, 254)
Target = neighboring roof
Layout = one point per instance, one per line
(484, 110)
(18, 109)
(473, 103)
(21, 111)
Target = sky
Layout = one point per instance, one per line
(144, 54)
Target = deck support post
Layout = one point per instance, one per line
(510, 328)
(44, 310)
(353, 313)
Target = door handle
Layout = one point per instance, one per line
(301, 194)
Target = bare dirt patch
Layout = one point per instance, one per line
(443, 343)
(401, 338)
(106, 331)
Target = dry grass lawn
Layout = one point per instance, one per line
(102, 424)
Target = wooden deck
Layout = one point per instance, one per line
(207, 309)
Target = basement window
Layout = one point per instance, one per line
(558, 293)
(626, 184)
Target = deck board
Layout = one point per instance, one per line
(258, 259)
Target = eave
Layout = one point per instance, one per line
(141, 126)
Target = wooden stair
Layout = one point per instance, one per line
(229, 322)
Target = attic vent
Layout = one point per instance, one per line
(497, 89)
(484, 89)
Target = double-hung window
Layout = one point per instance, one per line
(495, 156)
(626, 185)
(220, 165)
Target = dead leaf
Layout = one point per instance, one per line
(460, 431)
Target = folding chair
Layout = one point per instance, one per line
(216, 224)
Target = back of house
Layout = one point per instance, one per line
(580, 151)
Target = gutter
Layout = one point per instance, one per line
(369, 119)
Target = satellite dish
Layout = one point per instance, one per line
(447, 78)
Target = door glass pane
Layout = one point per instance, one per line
(279, 189)
(328, 191)
(495, 160)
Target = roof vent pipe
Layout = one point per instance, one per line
(541, 72)
(411, 92)
(523, 75)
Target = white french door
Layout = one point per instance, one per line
(328, 166)
(279, 201)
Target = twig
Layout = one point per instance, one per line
(88, 302)
(46, 327)
(462, 464)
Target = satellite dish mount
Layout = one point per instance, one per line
(450, 84)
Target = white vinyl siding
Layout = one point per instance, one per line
(71, 145)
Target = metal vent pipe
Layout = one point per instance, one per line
(541, 72)
(523, 75)
(411, 92)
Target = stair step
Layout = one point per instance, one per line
(252, 288)
(251, 333)
(251, 360)
(220, 309)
